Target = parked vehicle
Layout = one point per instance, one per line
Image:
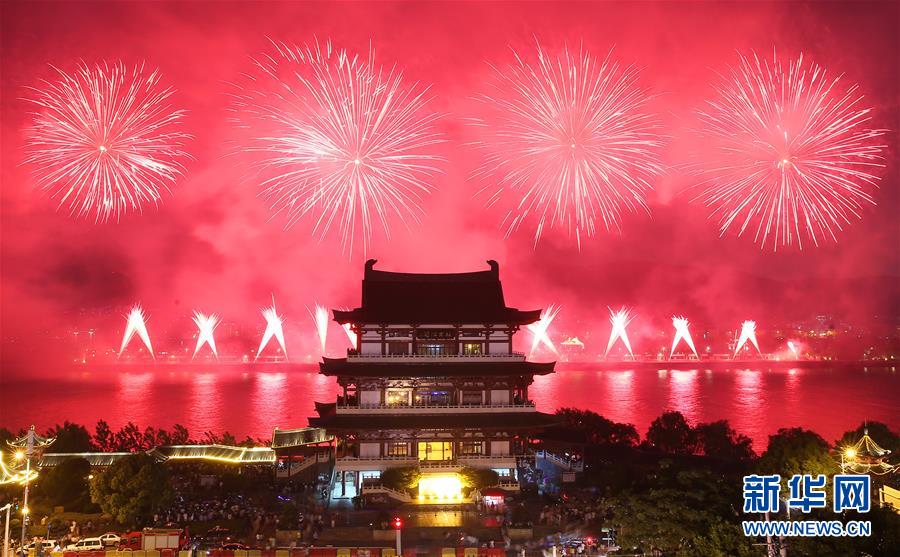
(154, 538)
(48, 546)
(110, 539)
(234, 546)
(86, 544)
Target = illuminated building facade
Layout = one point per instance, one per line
(433, 381)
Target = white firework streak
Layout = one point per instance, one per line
(788, 153)
(206, 326)
(619, 320)
(104, 140)
(319, 316)
(136, 324)
(352, 336)
(682, 333)
(539, 330)
(748, 333)
(274, 328)
(568, 142)
(345, 142)
(795, 350)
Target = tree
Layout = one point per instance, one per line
(103, 437)
(70, 438)
(180, 435)
(404, 478)
(129, 439)
(718, 440)
(132, 489)
(724, 539)
(670, 433)
(598, 430)
(5, 436)
(67, 485)
(478, 478)
(796, 451)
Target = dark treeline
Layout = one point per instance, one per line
(677, 490)
(76, 438)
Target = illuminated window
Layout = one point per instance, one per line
(397, 397)
(471, 448)
(432, 398)
(435, 450)
(398, 448)
(472, 348)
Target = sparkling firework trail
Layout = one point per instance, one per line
(136, 324)
(104, 141)
(340, 140)
(274, 328)
(682, 333)
(320, 319)
(795, 350)
(569, 142)
(619, 320)
(539, 330)
(790, 153)
(748, 333)
(206, 326)
(351, 335)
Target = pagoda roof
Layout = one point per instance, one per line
(453, 368)
(452, 298)
(472, 420)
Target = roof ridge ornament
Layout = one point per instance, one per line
(495, 267)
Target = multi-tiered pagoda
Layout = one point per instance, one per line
(432, 382)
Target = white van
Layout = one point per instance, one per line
(86, 544)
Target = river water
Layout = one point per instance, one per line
(757, 402)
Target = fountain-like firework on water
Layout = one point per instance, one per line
(136, 324)
(682, 334)
(619, 320)
(320, 317)
(748, 334)
(274, 329)
(539, 330)
(206, 327)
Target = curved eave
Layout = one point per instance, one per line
(456, 368)
(510, 316)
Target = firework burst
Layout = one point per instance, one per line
(789, 154)
(568, 141)
(748, 334)
(339, 140)
(104, 141)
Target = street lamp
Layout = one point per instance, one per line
(29, 446)
(6, 508)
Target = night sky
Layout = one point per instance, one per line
(211, 245)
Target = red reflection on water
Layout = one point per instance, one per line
(683, 393)
(755, 402)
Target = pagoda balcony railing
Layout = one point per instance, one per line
(361, 462)
(435, 408)
(352, 356)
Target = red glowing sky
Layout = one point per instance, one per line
(212, 246)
